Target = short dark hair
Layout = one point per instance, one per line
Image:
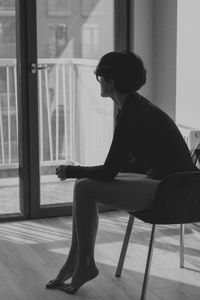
(125, 68)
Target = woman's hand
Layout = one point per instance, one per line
(61, 172)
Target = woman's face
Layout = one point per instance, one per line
(106, 87)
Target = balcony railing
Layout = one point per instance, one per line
(75, 123)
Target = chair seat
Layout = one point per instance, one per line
(177, 200)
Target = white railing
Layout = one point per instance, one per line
(75, 123)
(8, 112)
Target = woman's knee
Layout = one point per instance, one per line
(82, 186)
(83, 192)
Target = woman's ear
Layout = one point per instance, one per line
(111, 85)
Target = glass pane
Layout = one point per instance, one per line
(9, 179)
(75, 123)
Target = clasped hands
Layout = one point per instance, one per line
(62, 172)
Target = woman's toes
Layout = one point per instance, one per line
(60, 279)
(67, 288)
(80, 278)
(52, 284)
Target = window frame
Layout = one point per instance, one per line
(29, 169)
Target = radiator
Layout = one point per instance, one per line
(191, 135)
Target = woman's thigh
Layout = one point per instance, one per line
(131, 192)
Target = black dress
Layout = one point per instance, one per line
(148, 136)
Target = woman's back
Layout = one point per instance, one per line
(154, 137)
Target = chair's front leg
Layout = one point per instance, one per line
(148, 264)
(124, 246)
(182, 230)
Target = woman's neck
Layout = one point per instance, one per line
(119, 99)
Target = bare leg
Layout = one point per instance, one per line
(69, 266)
(135, 193)
(131, 194)
(86, 218)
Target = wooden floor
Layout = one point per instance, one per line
(32, 252)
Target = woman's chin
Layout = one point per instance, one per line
(104, 94)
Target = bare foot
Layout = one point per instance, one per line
(65, 273)
(82, 274)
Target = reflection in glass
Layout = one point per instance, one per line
(7, 5)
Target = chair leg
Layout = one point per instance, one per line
(182, 230)
(124, 246)
(148, 264)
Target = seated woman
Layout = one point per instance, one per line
(143, 131)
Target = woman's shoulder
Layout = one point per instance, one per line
(137, 105)
(138, 101)
(151, 109)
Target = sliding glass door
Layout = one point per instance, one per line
(51, 111)
(75, 125)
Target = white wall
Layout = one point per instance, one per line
(164, 39)
(153, 37)
(188, 64)
(165, 33)
(141, 39)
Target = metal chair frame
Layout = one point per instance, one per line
(195, 157)
(149, 255)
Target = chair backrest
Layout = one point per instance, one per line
(177, 199)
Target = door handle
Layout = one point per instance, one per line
(35, 68)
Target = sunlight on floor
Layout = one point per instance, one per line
(47, 242)
(31, 232)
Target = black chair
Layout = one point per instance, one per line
(176, 201)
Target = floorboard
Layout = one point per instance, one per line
(32, 252)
